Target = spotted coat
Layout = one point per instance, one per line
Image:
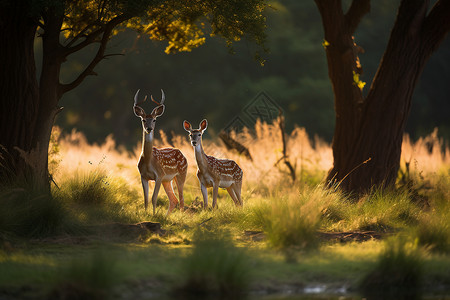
(220, 167)
(170, 159)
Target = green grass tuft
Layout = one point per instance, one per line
(96, 197)
(89, 277)
(398, 273)
(215, 268)
(293, 221)
(27, 212)
(433, 232)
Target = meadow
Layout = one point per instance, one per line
(299, 238)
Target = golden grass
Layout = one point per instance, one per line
(262, 176)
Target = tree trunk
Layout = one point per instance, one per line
(368, 134)
(27, 110)
(19, 92)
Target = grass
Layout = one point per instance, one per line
(31, 213)
(291, 222)
(215, 268)
(398, 273)
(47, 242)
(89, 277)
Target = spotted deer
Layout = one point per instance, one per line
(160, 165)
(213, 172)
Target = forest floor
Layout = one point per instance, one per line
(145, 261)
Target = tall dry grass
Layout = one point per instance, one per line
(105, 175)
(311, 158)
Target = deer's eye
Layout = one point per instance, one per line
(154, 120)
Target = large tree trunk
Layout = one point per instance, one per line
(27, 110)
(368, 134)
(18, 91)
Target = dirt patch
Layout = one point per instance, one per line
(350, 236)
(131, 231)
(343, 237)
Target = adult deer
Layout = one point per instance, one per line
(213, 172)
(160, 165)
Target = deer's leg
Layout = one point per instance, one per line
(205, 195)
(230, 191)
(155, 194)
(172, 198)
(145, 188)
(179, 179)
(237, 188)
(215, 193)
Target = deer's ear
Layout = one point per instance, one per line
(157, 111)
(203, 125)
(139, 111)
(187, 126)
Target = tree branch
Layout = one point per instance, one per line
(101, 9)
(436, 25)
(81, 34)
(89, 39)
(89, 70)
(355, 13)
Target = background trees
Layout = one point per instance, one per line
(369, 129)
(208, 81)
(30, 104)
(211, 82)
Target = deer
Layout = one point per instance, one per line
(159, 165)
(214, 172)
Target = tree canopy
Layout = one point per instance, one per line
(29, 106)
(209, 82)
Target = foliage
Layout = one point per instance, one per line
(212, 81)
(181, 23)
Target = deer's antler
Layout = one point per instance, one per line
(163, 97)
(136, 99)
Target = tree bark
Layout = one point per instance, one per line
(19, 91)
(28, 110)
(368, 134)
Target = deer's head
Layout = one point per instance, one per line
(148, 120)
(195, 135)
